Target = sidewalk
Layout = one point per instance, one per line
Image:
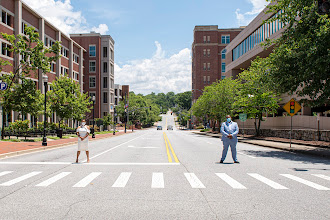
(306, 147)
(8, 148)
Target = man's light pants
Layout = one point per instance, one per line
(232, 143)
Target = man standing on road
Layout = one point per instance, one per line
(229, 131)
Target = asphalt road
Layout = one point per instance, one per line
(153, 174)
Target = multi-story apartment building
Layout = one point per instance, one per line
(99, 74)
(15, 15)
(208, 63)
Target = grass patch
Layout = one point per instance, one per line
(205, 130)
(104, 132)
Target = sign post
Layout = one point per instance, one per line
(242, 118)
(292, 107)
(3, 86)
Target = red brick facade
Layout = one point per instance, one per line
(206, 56)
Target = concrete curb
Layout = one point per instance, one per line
(317, 151)
(37, 149)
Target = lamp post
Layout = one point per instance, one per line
(44, 139)
(114, 120)
(93, 131)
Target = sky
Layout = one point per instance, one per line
(152, 37)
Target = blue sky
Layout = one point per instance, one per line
(152, 38)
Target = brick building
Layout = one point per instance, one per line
(208, 60)
(99, 73)
(14, 16)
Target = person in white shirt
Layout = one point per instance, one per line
(83, 133)
(229, 131)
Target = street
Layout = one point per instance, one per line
(164, 174)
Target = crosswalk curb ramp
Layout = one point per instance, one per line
(158, 180)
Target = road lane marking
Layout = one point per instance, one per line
(130, 146)
(306, 182)
(5, 173)
(267, 181)
(157, 180)
(322, 176)
(167, 150)
(53, 179)
(21, 178)
(230, 181)
(246, 155)
(85, 181)
(194, 181)
(174, 156)
(89, 164)
(122, 179)
(114, 147)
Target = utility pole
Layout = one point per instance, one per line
(125, 111)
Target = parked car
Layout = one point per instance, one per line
(159, 128)
(169, 127)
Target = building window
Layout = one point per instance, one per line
(92, 82)
(204, 79)
(23, 28)
(204, 66)
(91, 94)
(105, 67)
(75, 58)
(208, 39)
(4, 49)
(223, 77)
(52, 67)
(208, 52)
(223, 67)
(6, 18)
(92, 66)
(204, 52)
(105, 82)
(116, 92)
(208, 79)
(204, 39)
(105, 97)
(92, 50)
(223, 54)
(105, 114)
(65, 53)
(105, 51)
(225, 39)
(46, 41)
(116, 101)
(208, 66)
(64, 71)
(111, 53)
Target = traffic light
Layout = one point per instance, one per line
(323, 7)
(292, 107)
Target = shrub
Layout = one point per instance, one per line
(20, 126)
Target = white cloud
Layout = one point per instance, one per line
(245, 18)
(157, 74)
(62, 15)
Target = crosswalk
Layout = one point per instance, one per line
(158, 180)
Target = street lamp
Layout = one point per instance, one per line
(44, 140)
(93, 131)
(114, 120)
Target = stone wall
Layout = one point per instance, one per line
(298, 134)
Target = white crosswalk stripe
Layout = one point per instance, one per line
(5, 173)
(230, 181)
(322, 176)
(87, 180)
(267, 181)
(122, 179)
(306, 182)
(157, 180)
(194, 181)
(21, 178)
(53, 179)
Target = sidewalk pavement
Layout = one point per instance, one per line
(8, 149)
(305, 147)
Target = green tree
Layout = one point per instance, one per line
(183, 100)
(301, 58)
(34, 55)
(67, 100)
(217, 100)
(256, 93)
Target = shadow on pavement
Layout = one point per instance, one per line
(285, 155)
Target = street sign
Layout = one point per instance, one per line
(292, 107)
(242, 117)
(3, 86)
